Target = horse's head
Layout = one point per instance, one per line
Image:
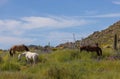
(20, 55)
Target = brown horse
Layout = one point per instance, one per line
(18, 48)
(96, 49)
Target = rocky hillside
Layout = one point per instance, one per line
(104, 37)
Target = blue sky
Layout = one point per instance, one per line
(39, 22)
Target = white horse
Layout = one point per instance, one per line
(30, 56)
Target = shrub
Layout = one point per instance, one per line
(56, 72)
(10, 66)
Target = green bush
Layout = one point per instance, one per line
(65, 55)
(10, 66)
(56, 71)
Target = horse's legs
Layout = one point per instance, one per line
(35, 59)
(98, 53)
(13, 53)
(28, 61)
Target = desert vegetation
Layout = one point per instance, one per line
(62, 64)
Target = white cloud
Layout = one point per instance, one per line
(2, 2)
(13, 31)
(11, 26)
(52, 22)
(18, 27)
(90, 12)
(110, 15)
(8, 41)
(116, 2)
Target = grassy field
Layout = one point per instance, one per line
(62, 64)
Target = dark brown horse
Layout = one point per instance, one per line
(96, 49)
(18, 48)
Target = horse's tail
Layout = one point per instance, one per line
(11, 54)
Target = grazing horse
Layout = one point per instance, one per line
(30, 57)
(18, 48)
(96, 49)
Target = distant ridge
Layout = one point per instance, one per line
(104, 37)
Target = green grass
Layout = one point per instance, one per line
(62, 64)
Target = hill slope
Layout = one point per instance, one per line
(104, 37)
